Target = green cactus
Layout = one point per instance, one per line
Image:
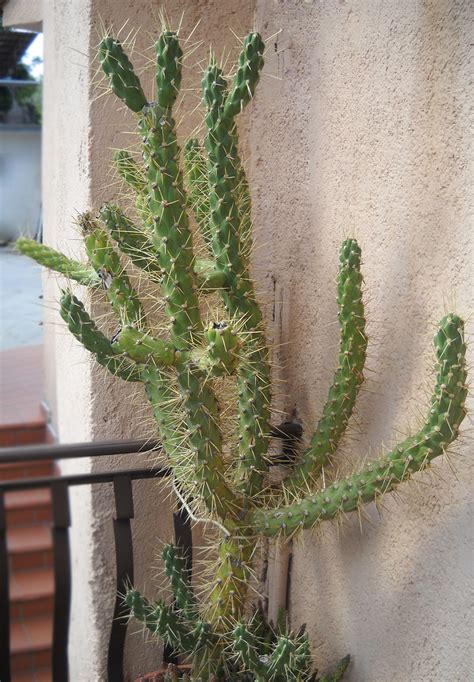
(219, 459)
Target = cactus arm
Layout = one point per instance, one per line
(142, 347)
(197, 182)
(247, 75)
(232, 576)
(54, 260)
(168, 69)
(246, 647)
(289, 660)
(218, 358)
(280, 664)
(166, 197)
(133, 241)
(85, 331)
(135, 177)
(239, 296)
(194, 637)
(178, 576)
(172, 237)
(106, 262)
(348, 377)
(446, 413)
(160, 619)
(119, 71)
(242, 193)
(130, 171)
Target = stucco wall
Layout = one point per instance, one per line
(366, 133)
(363, 131)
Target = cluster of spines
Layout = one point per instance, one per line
(177, 373)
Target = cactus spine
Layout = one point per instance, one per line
(222, 482)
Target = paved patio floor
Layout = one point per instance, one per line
(20, 306)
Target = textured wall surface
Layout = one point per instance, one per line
(365, 133)
(363, 130)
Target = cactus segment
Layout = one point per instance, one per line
(281, 659)
(218, 358)
(134, 242)
(185, 637)
(115, 281)
(175, 569)
(122, 78)
(247, 647)
(142, 348)
(130, 171)
(160, 619)
(172, 237)
(349, 374)
(208, 277)
(446, 413)
(222, 347)
(168, 69)
(197, 185)
(239, 296)
(247, 75)
(200, 471)
(205, 438)
(232, 576)
(338, 674)
(84, 329)
(54, 260)
(135, 177)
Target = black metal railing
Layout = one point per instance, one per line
(59, 486)
(122, 481)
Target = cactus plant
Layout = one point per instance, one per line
(220, 462)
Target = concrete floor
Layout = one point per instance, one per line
(20, 306)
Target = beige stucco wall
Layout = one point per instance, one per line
(364, 131)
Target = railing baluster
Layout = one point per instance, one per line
(62, 579)
(124, 561)
(4, 597)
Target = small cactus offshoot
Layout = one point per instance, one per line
(220, 457)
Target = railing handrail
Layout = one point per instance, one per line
(82, 479)
(287, 431)
(30, 453)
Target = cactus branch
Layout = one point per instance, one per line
(84, 329)
(105, 260)
(54, 260)
(348, 378)
(447, 410)
(122, 78)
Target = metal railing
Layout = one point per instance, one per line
(59, 486)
